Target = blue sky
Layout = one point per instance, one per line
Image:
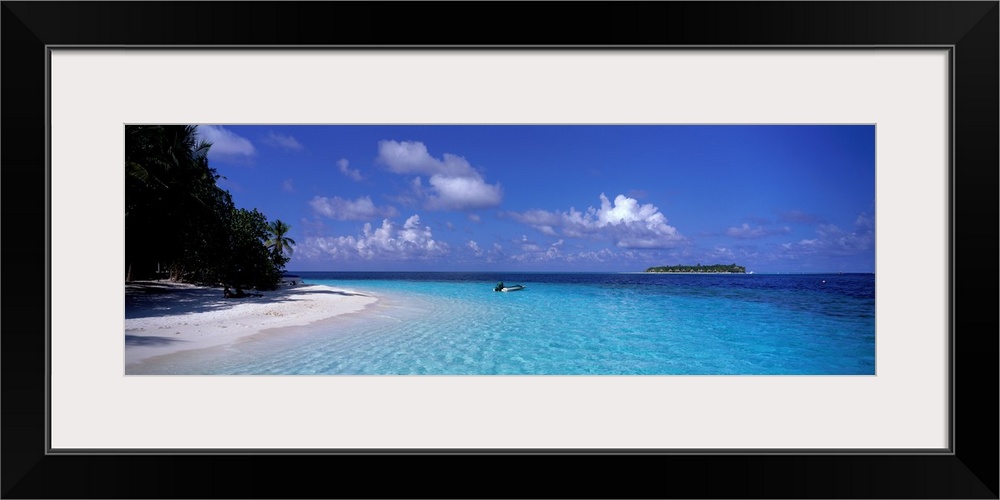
(797, 198)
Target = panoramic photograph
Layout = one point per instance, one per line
(585, 249)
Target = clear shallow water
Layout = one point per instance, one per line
(567, 324)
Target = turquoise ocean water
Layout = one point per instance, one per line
(569, 324)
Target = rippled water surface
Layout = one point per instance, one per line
(563, 324)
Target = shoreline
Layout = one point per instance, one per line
(164, 317)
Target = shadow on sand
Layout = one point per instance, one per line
(157, 299)
(334, 292)
(135, 340)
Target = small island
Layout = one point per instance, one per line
(717, 268)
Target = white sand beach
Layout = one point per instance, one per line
(164, 317)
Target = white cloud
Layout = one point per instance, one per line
(288, 142)
(475, 248)
(534, 253)
(721, 253)
(417, 186)
(832, 240)
(604, 255)
(526, 245)
(454, 184)
(627, 222)
(359, 209)
(350, 173)
(474, 218)
(412, 241)
(461, 193)
(553, 254)
(413, 158)
(225, 142)
(287, 186)
(840, 241)
(747, 232)
(539, 218)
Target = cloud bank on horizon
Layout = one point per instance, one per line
(506, 198)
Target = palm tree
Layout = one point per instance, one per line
(172, 201)
(279, 243)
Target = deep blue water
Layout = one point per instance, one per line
(568, 324)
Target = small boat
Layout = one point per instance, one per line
(502, 288)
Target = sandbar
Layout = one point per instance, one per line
(164, 317)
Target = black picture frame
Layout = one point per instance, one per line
(970, 29)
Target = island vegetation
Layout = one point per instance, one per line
(180, 224)
(716, 268)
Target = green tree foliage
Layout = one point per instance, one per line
(170, 197)
(717, 268)
(278, 242)
(178, 220)
(254, 267)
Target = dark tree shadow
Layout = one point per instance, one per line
(135, 340)
(151, 299)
